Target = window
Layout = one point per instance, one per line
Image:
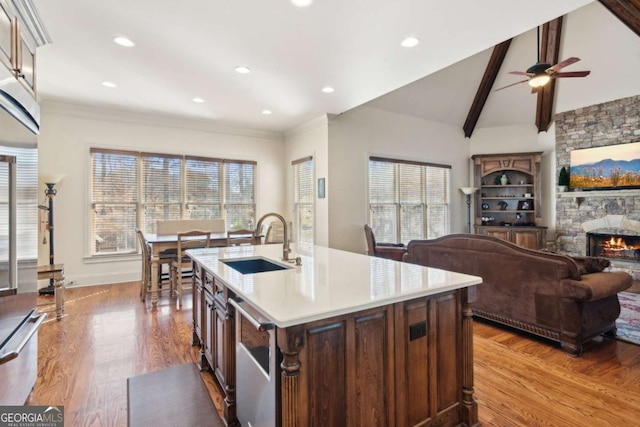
(303, 200)
(132, 190)
(26, 167)
(408, 200)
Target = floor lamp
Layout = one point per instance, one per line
(468, 191)
(50, 192)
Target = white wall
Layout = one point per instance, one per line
(364, 131)
(310, 139)
(67, 133)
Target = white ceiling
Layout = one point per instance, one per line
(189, 49)
(606, 47)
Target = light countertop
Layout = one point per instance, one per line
(329, 282)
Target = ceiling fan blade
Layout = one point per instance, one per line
(573, 74)
(520, 73)
(562, 64)
(512, 84)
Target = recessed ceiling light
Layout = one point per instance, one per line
(410, 42)
(301, 3)
(328, 89)
(109, 84)
(266, 112)
(243, 70)
(123, 41)
(198, 100)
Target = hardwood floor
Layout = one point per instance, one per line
(108, 335)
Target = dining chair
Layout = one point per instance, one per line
(241, 237)
(145, 282)
(275, 233)
(186, 240)
(393, 251)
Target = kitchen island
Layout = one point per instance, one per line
(358, 340)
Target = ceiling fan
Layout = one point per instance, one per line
(541, 73)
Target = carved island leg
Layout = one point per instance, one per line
(229, 338)
(155, 260)
(470, 407)
(290, 341)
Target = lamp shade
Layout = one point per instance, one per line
(468, 190)
(51, 179)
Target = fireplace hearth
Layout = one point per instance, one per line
(614, 246)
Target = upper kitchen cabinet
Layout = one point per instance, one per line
(6, 36)
(21, 32)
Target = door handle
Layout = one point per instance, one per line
(35, 321)
(245, 310)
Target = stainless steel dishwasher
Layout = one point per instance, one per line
(257, 368)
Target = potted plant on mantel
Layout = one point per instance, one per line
(563, 180)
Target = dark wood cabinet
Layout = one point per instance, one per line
(508, 202)
(213, 330)
(406, 364)
(527, 237)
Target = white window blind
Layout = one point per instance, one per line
(134, 190)
(408, 200)
(26, 165)
(303, 200)
(239, 195)
(161, 188)
(204, 192)
(114, 199)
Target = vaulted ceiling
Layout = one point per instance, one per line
(628, 12)
(464, 94)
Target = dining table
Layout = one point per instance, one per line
(159, 243)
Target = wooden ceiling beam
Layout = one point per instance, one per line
(489, 77)
(549, 53)
(627, 11)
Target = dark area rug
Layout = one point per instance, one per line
(628, 323)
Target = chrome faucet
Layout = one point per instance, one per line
(285, 244)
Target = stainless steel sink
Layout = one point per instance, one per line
(253, 265)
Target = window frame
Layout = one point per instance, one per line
(425, 206)
(140, 204)
(298, 205)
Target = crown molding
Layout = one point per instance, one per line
(49, 106)
(316, 123)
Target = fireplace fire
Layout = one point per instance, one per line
(614, 246)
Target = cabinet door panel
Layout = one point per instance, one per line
(5, 37)
(529, 239)
(219, 316)
(500, 234)
(209, 329)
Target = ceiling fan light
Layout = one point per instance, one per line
(539, 80)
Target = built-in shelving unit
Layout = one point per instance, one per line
(508, 203)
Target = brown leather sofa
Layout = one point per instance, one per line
(538, 292)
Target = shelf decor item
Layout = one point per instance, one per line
(502, 179)
(563, 180)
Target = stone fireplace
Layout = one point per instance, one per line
(615, 212)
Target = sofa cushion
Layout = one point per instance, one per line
(589, 264)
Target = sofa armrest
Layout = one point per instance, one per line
(595, 286)
(390, 252)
